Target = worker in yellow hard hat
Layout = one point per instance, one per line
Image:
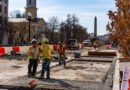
(46, 57)
(33, 57)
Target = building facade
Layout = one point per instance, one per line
(3, 22)
(19, 27)
(104, 38)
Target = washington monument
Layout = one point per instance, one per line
(95, 27)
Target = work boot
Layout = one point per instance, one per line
(34, 76)
(29, 75)
(48, 77)
(41, 77)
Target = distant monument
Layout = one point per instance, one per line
(95, 27)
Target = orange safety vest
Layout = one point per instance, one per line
(61, 49)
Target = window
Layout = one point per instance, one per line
(0, 19)
(30, 2)
(5, 20)
(5, 10)
(34, 2)
(0, 8)
(6, 1)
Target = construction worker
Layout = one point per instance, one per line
(46, 57)
(95, 44)
(33, 56)
(62, 56)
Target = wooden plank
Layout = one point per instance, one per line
(101, 53)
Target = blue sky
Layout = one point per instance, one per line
(86, 10)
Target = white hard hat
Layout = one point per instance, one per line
(46, 40)
(34, 40)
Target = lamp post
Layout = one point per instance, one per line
(29, 20)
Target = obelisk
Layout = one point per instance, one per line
(95, 27)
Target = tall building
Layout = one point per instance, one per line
(31, 8)
(95, 27)
(3, 21)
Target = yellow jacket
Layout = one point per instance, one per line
(46, 51)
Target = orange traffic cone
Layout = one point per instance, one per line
(32, 83)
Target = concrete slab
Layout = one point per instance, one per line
(78, 75)
(116, 81)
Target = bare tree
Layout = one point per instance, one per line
(53, 26)
(72, 29)
(17, 14)
(68, 29)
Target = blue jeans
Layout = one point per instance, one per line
(46, 67)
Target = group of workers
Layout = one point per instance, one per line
(43, 53)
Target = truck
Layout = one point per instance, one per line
(72, 44)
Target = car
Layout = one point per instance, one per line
(87, 43)
(72, 44)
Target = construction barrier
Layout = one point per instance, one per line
(2, 51)
(55, 47)
(126, 79)
(16, 49)
(23, 49)
(82, 45)
(107, 46)
(38, 46)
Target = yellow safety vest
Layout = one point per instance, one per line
(46, 51)
(30, 55)
(42, 40)
(94, 43)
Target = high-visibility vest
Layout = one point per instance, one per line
(42, 40)
(30, 55)
(94, 42)
(61, 49)
(46, 51)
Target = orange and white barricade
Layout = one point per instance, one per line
(2, 51)
(126, 79)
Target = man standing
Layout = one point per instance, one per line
(46, 56)
(62, 55)
(33, 56)
(95, 44)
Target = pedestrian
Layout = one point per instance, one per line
(95, 44)
(33, 56)
(46, 57)
(62, 55)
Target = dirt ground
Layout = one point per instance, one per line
(77, 74)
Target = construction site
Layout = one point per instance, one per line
(93, 70)
(84, 45)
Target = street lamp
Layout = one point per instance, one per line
(29, 20)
